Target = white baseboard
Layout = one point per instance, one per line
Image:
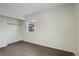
(48, 46)
(6, 44)
(13, 41)
(1, 46)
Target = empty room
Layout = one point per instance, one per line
(39, 29)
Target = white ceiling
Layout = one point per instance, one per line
(18, 10)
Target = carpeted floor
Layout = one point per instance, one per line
(22, 48)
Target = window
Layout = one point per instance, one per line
(31, 24)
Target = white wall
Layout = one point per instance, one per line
(54, 28)
(77, 29)
(2, 29)
(8, 33)
(0, 8)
